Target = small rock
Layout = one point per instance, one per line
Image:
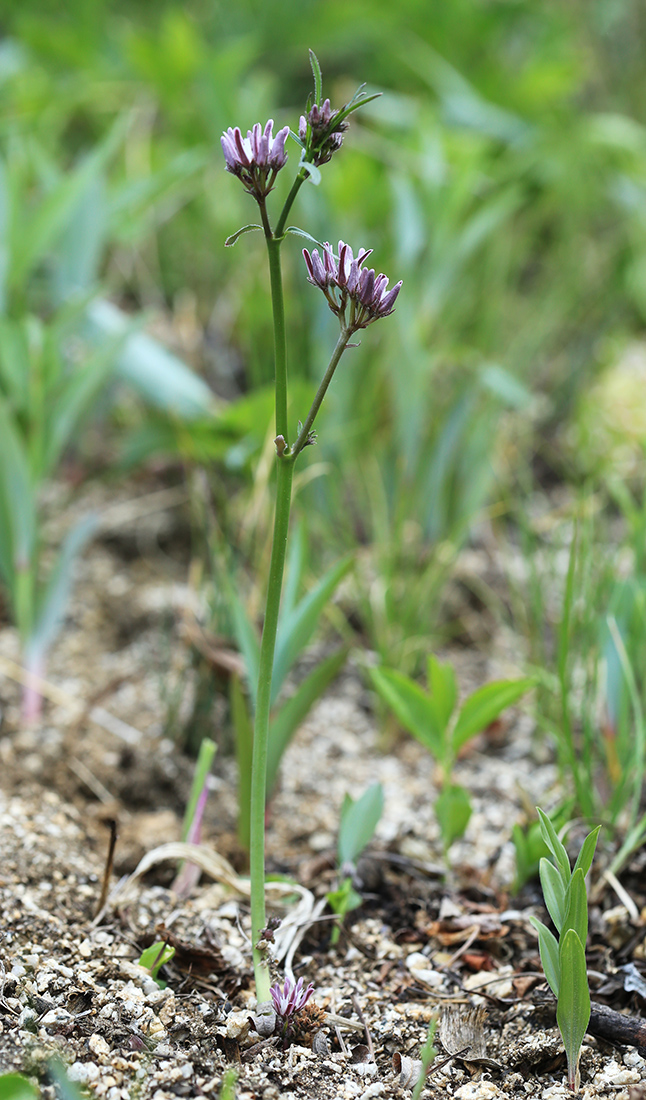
(83, 1072)
(614, 1074)
(477, 1090)
(98, 1045)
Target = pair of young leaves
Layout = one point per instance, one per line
(564, 959)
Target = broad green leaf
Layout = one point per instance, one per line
(444, 689)
(52, 605)
(313, 172)
(586, 855)
(553, 892)
(239, 233)
(14, 363)
(153, 958)
(13, 1086)
(576, 912)
(484, 705)
(77, 258)
(411, 706)
(549, 950)
(556, 848)
(161, 377)
(358, 823)
(294, 711)
(296, 629)
(573, 1006)
(241, 721)
(453, 810)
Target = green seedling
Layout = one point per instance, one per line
(443, 727)
(13, 1086)
(563, 959)
(530, 848)
(154, 957)
(359, 819)
(427, 1055)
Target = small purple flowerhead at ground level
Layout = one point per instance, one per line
(291, 998)
(326, 135)
(257, 158)
(355, 293)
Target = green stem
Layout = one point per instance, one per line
(289, 201)
(341, 345)
(285, 471)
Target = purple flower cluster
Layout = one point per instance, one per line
(347, 283)
(257, 158)
(291, 998)
(325, 136)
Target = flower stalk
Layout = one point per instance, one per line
(358, 297)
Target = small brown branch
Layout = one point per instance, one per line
(107, 874)
(617, 1028)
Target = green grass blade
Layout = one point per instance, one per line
(241, 721)
(295, 630)
(549, 951)
(50, 611)
(573, 1007)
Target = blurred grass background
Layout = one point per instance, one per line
(502, 175)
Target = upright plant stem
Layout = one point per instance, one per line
(284, 475)
(285, 472)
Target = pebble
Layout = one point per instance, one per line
(422, 971)
(83, 1072)
(614, 1074)
(477, 1090)
(98, 1045)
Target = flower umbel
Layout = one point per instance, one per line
(320, 133)
(256, 159)
(290, 999)
(355, 293)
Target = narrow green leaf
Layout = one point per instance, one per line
(549, 951)
(294, 711)
(556, 847)
(444, 689)
(453, 810)
(246, 639)
(358, 823)
(296, 629)
(411, 706)
(484, 705)
(294, 569)
(573, 1007)
(554, 892)
(230, 241)
(16, 489)
(318, 78)
(586, 855)
(301, 233)
(576, 912)
(51, 608)
(144, 363)
(241, 721)
(5, 220)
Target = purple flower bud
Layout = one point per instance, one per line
(291, 998)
